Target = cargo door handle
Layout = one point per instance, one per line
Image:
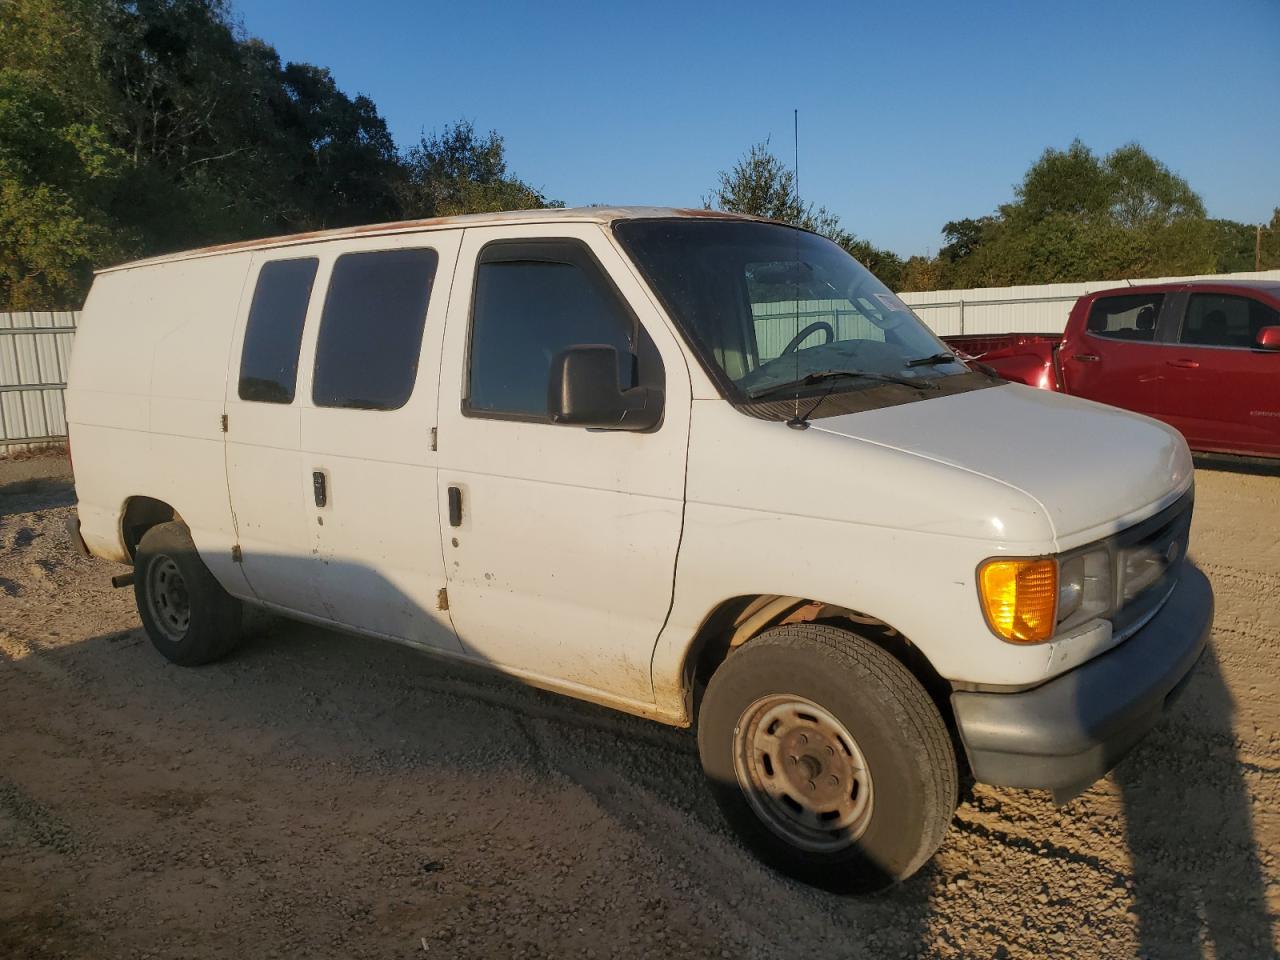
(1185, 364)
(320, 487)
(455, 507)
(1086, 357)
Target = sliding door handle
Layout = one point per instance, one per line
(320, 487)
(455, 506)
(1184, 364)
(1086, 357)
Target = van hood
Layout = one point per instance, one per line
(1093, 469)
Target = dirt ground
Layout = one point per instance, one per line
(320, 795)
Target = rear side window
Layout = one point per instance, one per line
(1221, 320)
(1131, 317)
(532, 301)
(273, 333)
(371, 329)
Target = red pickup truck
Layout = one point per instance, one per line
(1203, 357)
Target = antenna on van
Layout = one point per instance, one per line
(797, 422)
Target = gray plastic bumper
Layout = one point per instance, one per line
(1065, 734)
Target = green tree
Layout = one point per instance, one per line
(134, 127)
(964, 236)
(58, 167)
(1078, 216)
(761, 185)
(1143, 192)
(1233, 245)
(1271, 242)
(922, 273)
(456, 171)
(1128, 187)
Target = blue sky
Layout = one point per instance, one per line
(911, 113)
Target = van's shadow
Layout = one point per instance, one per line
(371, 707)
(1199, 888)
(643, 774)
(298, 697)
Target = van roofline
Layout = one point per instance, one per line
(603, 215)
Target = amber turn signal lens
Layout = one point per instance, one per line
(1020, 598)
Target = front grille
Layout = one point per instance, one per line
(1148, 557)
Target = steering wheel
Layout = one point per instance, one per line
(804, 334)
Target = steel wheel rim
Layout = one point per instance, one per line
(803, 773)
(167, 595)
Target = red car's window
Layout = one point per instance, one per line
(1222, 320)
(1130, 317)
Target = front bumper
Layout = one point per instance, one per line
(1065, 734)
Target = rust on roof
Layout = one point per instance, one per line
(705, 213)
(551, 214)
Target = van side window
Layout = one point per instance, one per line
(273, 332)
(534, 299)
(1220, 320)
(1131, 317)
(371, 329)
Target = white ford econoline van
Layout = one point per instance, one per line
(701, 468)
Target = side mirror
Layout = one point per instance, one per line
(584, 391)
(1269, 338)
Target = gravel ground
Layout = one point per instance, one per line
(325, 796)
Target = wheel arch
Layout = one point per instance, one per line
(736, 620)
(139, 514)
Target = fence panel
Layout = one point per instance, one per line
(35, 355)
(1041, 308)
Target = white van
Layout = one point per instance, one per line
(701, 468)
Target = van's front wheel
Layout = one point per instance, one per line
(185, 611)
(828, 757)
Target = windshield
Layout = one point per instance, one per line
(772, 308)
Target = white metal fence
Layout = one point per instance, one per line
(1034, 309)
(35, 350)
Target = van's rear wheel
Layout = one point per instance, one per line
(828, 757)
(185, 611)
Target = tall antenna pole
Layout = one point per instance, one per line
(796, 422)
(795, 133)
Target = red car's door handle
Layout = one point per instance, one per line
(1086, 357)
(1185, 364)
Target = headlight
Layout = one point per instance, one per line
(1084, 587)
(1028, 600)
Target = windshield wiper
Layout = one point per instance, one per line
(821, 375)
(934, 360)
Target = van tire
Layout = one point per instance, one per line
(186, 613)
(890, 821)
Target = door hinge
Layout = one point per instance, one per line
(442, 599)
(433, 438)
(224, 423)
(236, 555)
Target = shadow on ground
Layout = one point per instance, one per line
(324, 794)
(1199, 888)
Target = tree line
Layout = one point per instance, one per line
(1075, 216)
(134, 127)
